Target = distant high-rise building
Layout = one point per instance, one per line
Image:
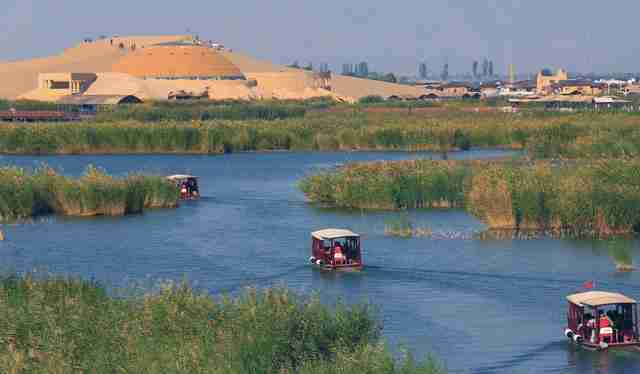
(422, 71)
(445, 72)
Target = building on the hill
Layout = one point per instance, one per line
(63, 84)
(91, 104)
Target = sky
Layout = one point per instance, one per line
(579, 35)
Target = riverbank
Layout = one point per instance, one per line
(54, 324)
(541, 135)
(586, 199)
(25, 194)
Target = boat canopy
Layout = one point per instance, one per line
(180, 176)
(599, 298)
(329, 234)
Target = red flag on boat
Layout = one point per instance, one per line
(589, 284)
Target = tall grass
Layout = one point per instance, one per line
(588, 198)
(390, 185)
(25, 194)
(202, 111)
(27, 105)
(540, 134)
(59, 325)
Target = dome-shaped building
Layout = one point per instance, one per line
(178, 61)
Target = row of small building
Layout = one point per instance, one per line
(545, 85)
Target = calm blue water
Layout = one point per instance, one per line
(481, 306)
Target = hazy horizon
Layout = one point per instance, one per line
(389, 37)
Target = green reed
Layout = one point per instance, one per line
(584, 135)
(26, 194)
(60, 325)
(577, 198)
(202, 111)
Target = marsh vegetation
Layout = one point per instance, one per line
(589, 198)
(59, 325)
(541, 135)
(25, 193)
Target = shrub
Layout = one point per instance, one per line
(371, 99)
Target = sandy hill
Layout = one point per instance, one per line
(19, 77)
(343, 86)
(274, 81)
(248, 64)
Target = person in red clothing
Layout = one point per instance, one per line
(606, 328)
(338, 255)
(605, 321)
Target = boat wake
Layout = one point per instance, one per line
(506, 366)
(257, 281)
(427, 274)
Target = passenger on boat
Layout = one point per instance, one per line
(193, 188)
(338, 255)
(606, 329)
(605, 321)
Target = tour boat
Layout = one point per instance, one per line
(602, 320)
(336, 249)
(187, 184)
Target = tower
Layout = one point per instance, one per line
(512, 74)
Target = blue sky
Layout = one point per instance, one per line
(581, 35)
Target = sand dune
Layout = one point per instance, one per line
(20, 78)
(343, 86)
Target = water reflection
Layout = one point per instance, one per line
(620, 252)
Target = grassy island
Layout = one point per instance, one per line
(540, 134)
(577, 198)
(59, 325)
(26, 194)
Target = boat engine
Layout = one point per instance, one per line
(577, 338)
(569, 333)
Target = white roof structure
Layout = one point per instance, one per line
(180, 176)
(609, 100)
(599, 298)
(329, 234)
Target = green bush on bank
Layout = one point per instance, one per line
(24, 194)
(56, 325)
(591, 198)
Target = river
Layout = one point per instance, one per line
(479, 306)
